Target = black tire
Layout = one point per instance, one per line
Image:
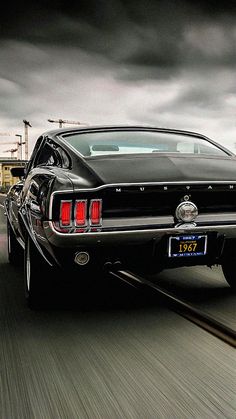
(15, 251)
(229, 271)
(37, 275)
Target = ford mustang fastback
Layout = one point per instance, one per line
(135, 197)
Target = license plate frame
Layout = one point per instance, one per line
(196, 245)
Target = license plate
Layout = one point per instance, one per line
(188, 245)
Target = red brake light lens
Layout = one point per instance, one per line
(75, 214)
(80, 213)
(65, 213)
(95, 212)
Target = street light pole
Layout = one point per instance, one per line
(27, 125)
(20, 145)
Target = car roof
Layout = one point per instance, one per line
(83, 128)
(57, 134)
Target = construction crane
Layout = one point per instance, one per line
(8, 142)
(27, 125)
(65, 121)
(18, 145)
(12, 151)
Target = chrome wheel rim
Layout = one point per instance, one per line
(28, 268)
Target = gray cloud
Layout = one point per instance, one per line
(160, 62)
(151, 33)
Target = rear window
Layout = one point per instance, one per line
(139, 142)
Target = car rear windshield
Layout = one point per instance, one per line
(139, 142)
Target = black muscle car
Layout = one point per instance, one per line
(137, 197)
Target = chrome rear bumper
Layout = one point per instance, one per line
(137, 236)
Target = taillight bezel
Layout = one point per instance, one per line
(85, 201)
(70, 201)
(90, 210)
(73, 226)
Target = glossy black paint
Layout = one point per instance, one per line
(144, 186)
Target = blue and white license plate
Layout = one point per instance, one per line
(188, 245)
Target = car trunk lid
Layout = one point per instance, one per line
(162, 168)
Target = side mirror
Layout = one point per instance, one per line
(18, 171)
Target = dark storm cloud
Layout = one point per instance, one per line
(163, 34)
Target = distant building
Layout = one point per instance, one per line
(6, 178)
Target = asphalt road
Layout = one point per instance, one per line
(125, 357)
(205, 288)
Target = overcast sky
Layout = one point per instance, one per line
(165, 63)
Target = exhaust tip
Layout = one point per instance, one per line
(82, 258)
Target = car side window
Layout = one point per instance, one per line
(65, 161)
(47, 157)
(52, 154)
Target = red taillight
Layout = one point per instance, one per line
(75, 214)
(80, 213)
(95, 212)
(65, 213)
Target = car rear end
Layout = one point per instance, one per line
(138, 225)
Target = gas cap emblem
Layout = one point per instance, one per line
(186, 211)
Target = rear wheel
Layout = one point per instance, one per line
(37, 275)
(15, 251)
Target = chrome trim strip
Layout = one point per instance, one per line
(21, 242)
(133, 222)
(169, 246)
(206, 243)
(215, 217)
(151, 231)
(52, 196)
(193, 182)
